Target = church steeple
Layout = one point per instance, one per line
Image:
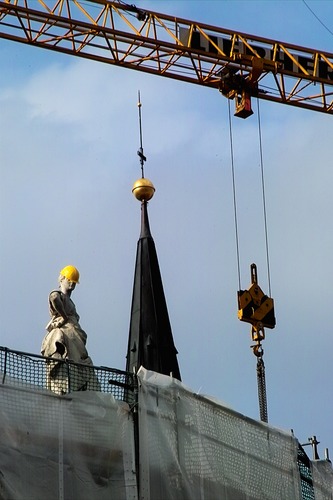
(150, 341)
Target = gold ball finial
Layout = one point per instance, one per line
(143, 189)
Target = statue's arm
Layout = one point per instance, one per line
(58, 307)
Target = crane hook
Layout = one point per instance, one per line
(258, 350)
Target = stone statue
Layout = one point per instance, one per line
(66, 340)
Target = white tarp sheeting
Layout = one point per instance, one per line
(81, 446)
(194, 449)
(74, 447)
(322, 474)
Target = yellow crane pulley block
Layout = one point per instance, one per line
(254, 306)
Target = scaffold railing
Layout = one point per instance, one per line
(31, 370)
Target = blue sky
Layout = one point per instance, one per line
(68, 159)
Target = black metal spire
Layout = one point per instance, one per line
(150, 341)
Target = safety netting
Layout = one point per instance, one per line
(21, 369)
(73, 447)
(154, 440)
(322, 473)
(194, 448)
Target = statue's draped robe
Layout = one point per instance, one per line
(67, 342)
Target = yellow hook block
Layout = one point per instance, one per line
(254, 306)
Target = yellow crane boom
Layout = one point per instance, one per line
(238, 64)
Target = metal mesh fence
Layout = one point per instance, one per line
(303, 463)
(64, 376)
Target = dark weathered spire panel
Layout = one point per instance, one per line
(150, 337)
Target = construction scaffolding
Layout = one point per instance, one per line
(146, 437)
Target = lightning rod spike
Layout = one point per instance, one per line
(140, 150)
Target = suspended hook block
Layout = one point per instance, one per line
(254, 306)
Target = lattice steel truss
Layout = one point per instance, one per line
(127, 36)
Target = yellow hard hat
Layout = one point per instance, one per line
(71, 273)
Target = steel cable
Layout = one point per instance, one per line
(234, 195)
(264, 201)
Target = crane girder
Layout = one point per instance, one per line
(235, 63)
